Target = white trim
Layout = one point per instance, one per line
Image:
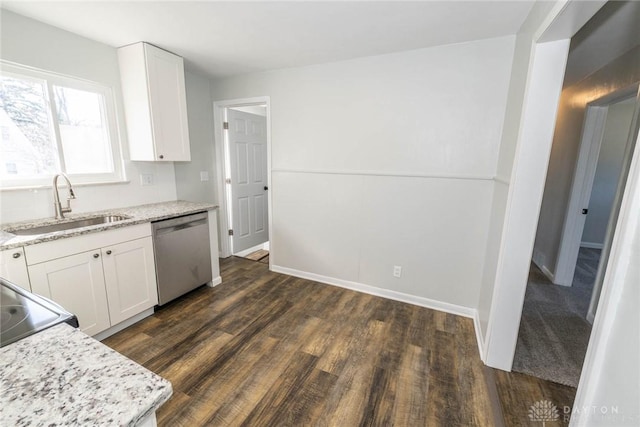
(585, 172)
(109, 117)
(545, 76)
(612, 288)
(380, 292)
(445, 307)
(49, 186)
(215, 282)
(479, 338)
(218, 118)
(591, 317)
(614, 216)
(539, 260)
(250, 250)
(591, 245)
(384, 173)
(123, 325)
(545, 270)
(502, 180)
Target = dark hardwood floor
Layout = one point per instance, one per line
(266, 349)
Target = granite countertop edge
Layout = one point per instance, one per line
(138, 214)
(66, 385)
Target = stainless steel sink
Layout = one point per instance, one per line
(70, 225)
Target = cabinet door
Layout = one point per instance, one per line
(168, 102)
(13, 267)
(75, 282)
(130, 277)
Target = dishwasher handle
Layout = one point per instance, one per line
(171, 228)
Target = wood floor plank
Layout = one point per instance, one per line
(275, 407)
(257, 255)
(266, 349)
(412, 385)
(518, 392)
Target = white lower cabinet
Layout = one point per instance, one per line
(102, 286)
(130, 278)
(75, 282)
(13, 267)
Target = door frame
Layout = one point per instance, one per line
(523, 210)
(221, 149)
(630, 151)
(545, 74)
(583, 179)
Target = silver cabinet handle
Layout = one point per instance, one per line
(16, 255)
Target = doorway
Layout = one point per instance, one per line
(556, 320)
(243, 148)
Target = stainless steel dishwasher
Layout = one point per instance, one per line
(183, 255)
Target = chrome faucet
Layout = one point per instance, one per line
(60, 211)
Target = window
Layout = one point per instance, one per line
(52, 123)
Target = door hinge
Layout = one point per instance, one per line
(228, 180)
(230, 232)
(585, 211)
(225, 125)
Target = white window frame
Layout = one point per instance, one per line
(110, 116)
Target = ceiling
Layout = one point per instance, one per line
(227, 38)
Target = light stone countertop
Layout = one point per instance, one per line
(138, 214)
(61, 376)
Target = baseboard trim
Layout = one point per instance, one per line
(548, 273)
(591, 245)
(124, 324)
(250, 250)
(538, 259)
(385, 293)
(445, 307)
(479, 337)
(215, 282)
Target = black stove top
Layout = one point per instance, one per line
(23, 313)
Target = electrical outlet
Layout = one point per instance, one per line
(204, 176)
(146, 179)
(397, 271)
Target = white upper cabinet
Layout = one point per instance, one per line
(155, 103)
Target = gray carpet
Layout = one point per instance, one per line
(554, 332)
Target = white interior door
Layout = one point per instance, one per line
(247, 136)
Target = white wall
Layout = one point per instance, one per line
(619, 74)
(35, 44)
(384, 161)
(610, 378)
(605, 183)
(189, 186)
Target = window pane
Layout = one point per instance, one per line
(83, 131)
(27, 147)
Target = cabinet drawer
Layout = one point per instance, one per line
(42, 252)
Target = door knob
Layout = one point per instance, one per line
(266, 188)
